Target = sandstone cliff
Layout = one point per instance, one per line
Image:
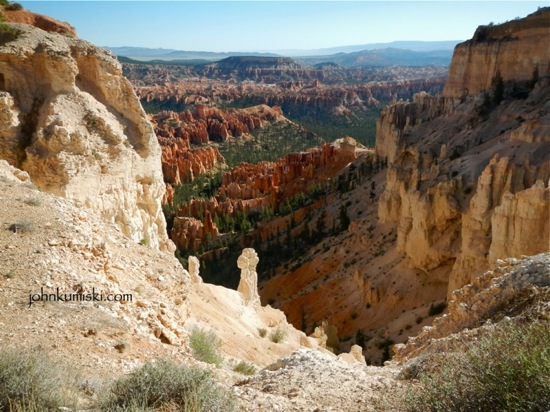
(465, 187)
(38, 20)
(466, 184)
(515, 50)
(252, 189)
(75, 125)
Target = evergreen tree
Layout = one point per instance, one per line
(498, 89)
(344, 218)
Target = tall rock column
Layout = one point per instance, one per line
(248, 285)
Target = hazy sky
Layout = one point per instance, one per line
(275, 25)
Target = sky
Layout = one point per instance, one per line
(222, 26)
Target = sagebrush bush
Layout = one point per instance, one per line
(277, 336)
(33, 382)
(507, 369)
(205, 346)
(167, 386)
(22, 226)
(244, 368)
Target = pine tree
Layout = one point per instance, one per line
(498, 89)
(344, 218)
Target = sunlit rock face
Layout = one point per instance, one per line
(515, 50)
(75, 125)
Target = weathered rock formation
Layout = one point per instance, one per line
(252, 188)
(296, 98)
(354, 357)
(513, 288)
(285, 75)
(38, 20)
(466, 184)
(209, 124)
(194, 269)
(248, 285)
(73, 122)
(513, 50)
(189, 233)
(176, 132)
(289, 175)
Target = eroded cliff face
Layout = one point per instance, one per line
(295, 97)
(75, 125)
(466, 184)
(467, 179)
(252, 189)
(514, 49)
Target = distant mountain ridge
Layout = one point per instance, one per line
(146, 54)
(420, 46)
(382, 57)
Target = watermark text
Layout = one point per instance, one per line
(92, 296)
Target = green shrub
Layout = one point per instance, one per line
(33, 201)
(163, 384)
(262, 332)
(277, 336)
(22, 226)
(205, 346)
(508, 369)
(14, 7)
(33, 382)
(245, 368)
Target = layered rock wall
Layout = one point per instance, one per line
(253, 188)
(467, 181)
(514, 50)
(75, 125)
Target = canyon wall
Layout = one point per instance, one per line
(467, 179)
(74, 123)
(515, 50)
(251, 189)
(466, 184)
(295, 97)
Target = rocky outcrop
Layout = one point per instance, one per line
(248, 285)
(194, 269)
(515, 288)
(181, 164)
(189, 233)
(513, 51)
(176, 133)
(467, 182)
(249, 188)
(354, 357)
(289, 175)
(296, 98)
(45, 23)
(210, 124)
(504, 219)
(75, 125)
(331, 384)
